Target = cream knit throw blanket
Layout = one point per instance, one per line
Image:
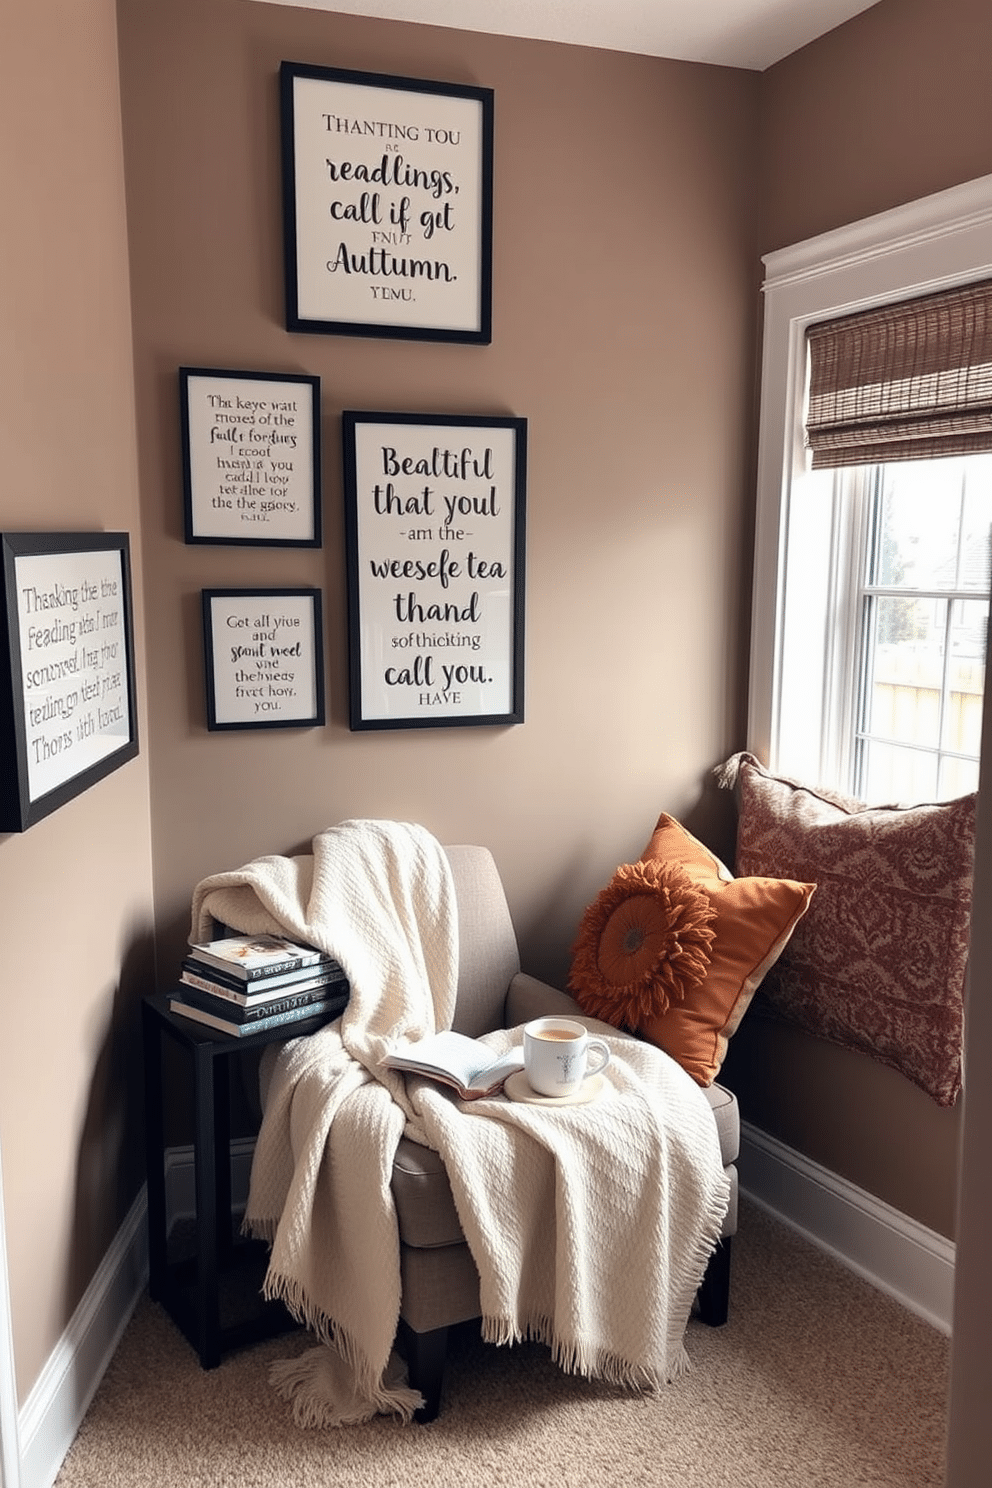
(590, 1226)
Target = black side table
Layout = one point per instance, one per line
(191, 1291)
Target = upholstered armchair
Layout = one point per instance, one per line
(440, 1285)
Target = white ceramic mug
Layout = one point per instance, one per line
(557, 1055)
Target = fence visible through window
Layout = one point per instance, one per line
(924, 615)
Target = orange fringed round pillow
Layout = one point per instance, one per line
(643, 941)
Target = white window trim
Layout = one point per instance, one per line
(927, 245)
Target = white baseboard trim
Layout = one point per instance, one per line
(53, 1411)
(901, 1257)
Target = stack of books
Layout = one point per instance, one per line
(244, 984)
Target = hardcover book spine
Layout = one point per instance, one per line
(328, 1009)
(242, 996)
(251, 973)
(279, 1007)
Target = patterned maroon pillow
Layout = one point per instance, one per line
(878, 962)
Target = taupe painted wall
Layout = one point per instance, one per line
(76, 887)
(890, 107)
(623, 221)
(624, 320)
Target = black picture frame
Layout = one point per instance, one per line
(251, 457)
(263, 658)
(435, 510)
(392, 237)
(68, 715)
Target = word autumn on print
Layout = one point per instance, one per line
(392, 210)
(388, 200)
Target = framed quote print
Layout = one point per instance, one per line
(387, 205)
(251, 457)
(263, 658)
(67, 700)
(434, 526)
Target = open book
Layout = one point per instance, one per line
(467, 1064)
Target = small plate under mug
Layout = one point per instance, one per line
(517, 1088)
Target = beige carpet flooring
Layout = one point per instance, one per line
(817, 1381)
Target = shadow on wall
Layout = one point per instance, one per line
(110, 1166)
(547, 930)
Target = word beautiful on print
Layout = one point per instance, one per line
(434, 571)
(388, 205)
(444, 568)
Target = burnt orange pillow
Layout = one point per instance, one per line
(752, 921)
(642, 942)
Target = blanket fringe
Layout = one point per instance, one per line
(325, 1393)
(292, 1294)
(573, 1357)
(259, 1229)
(588, 1361)
(335, 1384)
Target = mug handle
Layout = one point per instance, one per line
(596, 1045)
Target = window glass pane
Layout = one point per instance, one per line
(919, 519)
(899, 775)
(957, 778)
(870, 663)
(906, 669)
(977, 524)
(965, 677)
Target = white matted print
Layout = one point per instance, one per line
(434, 510)
(387, 205)
(67, 693)
(263, 658)
(251, 457)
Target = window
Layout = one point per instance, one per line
(889, 586)
(871, 586)
(923, 613)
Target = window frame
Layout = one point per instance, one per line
(927, 245)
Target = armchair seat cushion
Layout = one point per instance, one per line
(727, 1115)
(425, 1209)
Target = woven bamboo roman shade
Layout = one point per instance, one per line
(909, 381)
